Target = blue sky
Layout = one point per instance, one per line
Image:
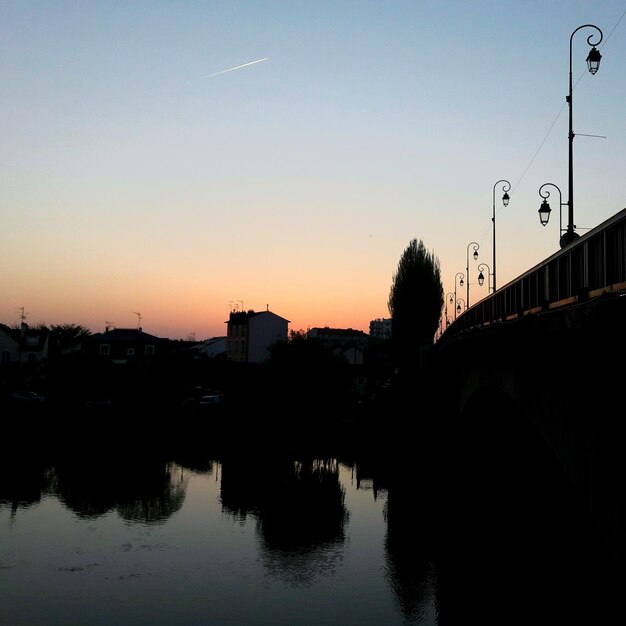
(134, 181)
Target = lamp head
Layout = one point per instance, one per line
(505, 199)
(481, 279)
(544, 212)
(475, 255)
(593, 60)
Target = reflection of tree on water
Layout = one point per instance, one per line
(22, 481)
(409, 551)
(392, 470)
(139, 489)
(299, 508)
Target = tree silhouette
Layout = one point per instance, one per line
(415, 301)
(67, 334)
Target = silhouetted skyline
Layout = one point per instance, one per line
(141, 173)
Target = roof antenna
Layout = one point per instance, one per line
(22, 314)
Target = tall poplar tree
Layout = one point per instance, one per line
(415, 302)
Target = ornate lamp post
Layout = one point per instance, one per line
(505, 201)
(593, 63)
(475, 255)
(460, 281)
(481, 276)
(545, 210)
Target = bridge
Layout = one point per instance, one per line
(540, 364)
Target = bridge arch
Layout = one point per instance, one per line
(497, 446)
(561, 373)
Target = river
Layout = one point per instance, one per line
(352, 526)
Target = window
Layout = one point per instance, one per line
(6, 356)
(130, 352)
(149, 351)
(105, 349)
(31, 357)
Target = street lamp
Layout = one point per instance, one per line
(481, 276)
(451, 301)
(458, 305)
(505, 201)
(544, 209)
(593, 64)
(460, 281)
(475, 255)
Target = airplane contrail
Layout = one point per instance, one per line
(237, 67)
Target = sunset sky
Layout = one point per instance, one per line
(171, 161)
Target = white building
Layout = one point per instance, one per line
(251, 334)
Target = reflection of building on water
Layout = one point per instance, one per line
(367, 477)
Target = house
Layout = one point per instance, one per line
(9, 345)
(214, 348)
(122, 345)
(346, 341)
(23, 344)
(250, 335)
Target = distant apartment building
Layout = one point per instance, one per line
(251, 334)
(350, 343)
(380, 328)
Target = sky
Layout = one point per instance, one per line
(164, 163)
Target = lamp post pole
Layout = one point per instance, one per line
(467, 279)
(451, 300)
(505, 201)
(460, 284)
(593, 63)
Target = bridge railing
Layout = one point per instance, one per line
(591, 265)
